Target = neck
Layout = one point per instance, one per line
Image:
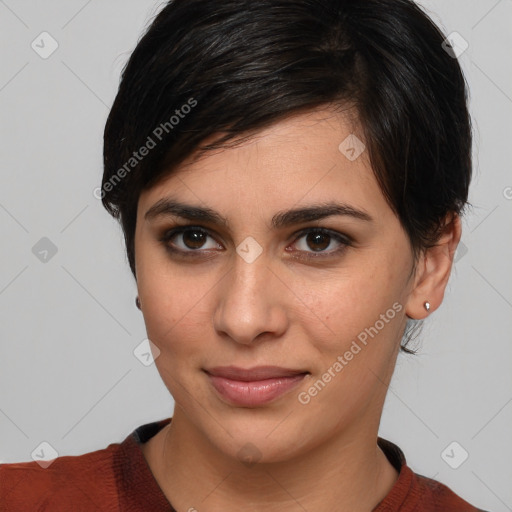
(349, 472)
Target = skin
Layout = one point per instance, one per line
(287, 309)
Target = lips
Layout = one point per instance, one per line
(253, 374)
(254, 386)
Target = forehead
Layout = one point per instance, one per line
(314, 156)
(318, 128)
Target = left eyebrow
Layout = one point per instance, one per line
(317, 212)
(170, 207)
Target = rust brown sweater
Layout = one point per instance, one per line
(118, 479)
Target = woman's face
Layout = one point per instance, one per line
(300, 264)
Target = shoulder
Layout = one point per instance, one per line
(439, 497)
(89, 479)
(413, 492)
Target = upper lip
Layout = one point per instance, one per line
(252, 374)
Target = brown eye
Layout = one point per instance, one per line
(194, 239)
(318, 241)
(189, 240)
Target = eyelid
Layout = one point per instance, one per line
(342, 237)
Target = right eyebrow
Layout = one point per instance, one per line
(168, 207)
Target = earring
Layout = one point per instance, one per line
(427, 306)
(137, 301)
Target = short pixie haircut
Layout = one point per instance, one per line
(238, 66)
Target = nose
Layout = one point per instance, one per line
(250, 303)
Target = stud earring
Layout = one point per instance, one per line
(427, 306)
(137, 301)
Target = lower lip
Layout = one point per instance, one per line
(256, 392)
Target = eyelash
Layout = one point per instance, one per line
(344, 240)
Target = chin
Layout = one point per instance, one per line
(254, 438)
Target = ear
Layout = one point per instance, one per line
(433, 270)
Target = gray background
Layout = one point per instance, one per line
(68, 325)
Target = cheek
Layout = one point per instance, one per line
(355, 338)
(344, 306)
(176, 312)
(173, 324)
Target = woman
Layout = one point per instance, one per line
(289, 176)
